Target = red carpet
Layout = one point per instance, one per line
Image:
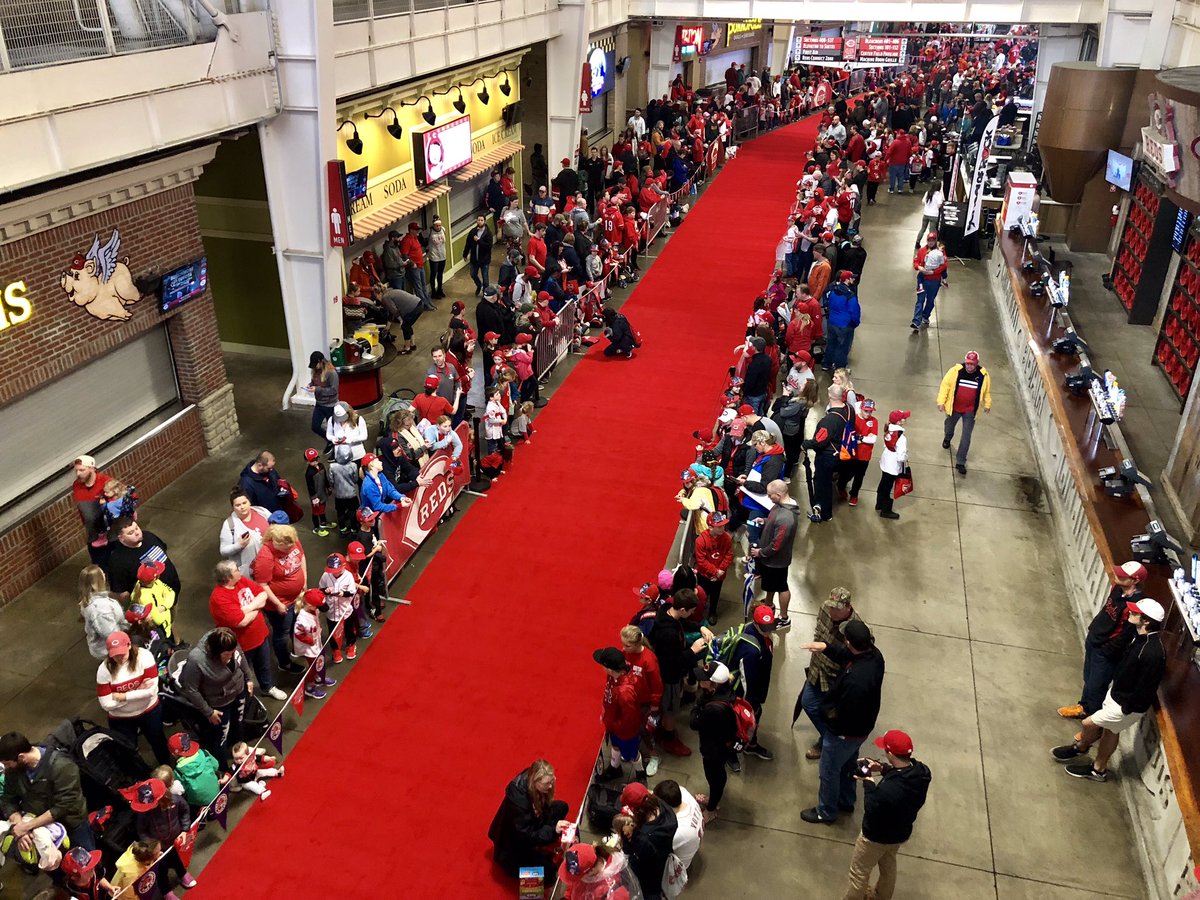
(393, 787)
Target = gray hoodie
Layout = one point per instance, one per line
(101, 617)
(207, 684)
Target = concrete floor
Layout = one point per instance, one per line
(965, 595)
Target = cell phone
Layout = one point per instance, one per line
(864, 768)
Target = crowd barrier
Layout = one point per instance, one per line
(552, 344)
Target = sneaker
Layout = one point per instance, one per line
(760, 751)
(366, 633)
(188, 881)
(854, 501)
(276, 694)
(735, 764)
(675, 746)
(326, 681)
(842, 495)
(812, 815)
(351, 652)
(337, 656)
(293, 668)
(378, 617)
(783, 622)
(815, 515)
(916, 329)
(1071, 712)
(946, 444)
(1086, 770)
(888, 514)
(652, 766)
(314, 692)
(1066, 753)
(708, 815)
(961, 469)
(319, 530)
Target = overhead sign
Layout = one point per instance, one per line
(738, 34)
(876, 51)
(811, 49)
(443, 150)
(689, 41)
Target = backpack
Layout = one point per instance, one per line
(848, 447)
(743, 713)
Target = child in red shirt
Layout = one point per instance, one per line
(851, 471)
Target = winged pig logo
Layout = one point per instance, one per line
(101, 282)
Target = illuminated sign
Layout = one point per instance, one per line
(810, 49)
(746, 30)
(17, 308)
(689, 41)
(443, 150)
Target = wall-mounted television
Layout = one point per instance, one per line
(356, 184)
(442, 150)
(1119, 170)
(182, 284)
(511, 114)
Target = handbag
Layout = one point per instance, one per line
(904, 484)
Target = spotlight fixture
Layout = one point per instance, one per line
(394, 129)
(506, 88)
(354, 143)
(429, 115)
(484, 96)
(460, 104)
(621, 64)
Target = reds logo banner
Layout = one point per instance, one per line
(275, 732)
(406, 528)
(712, 156)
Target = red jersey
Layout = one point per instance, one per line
(537, 251)
(614, 224)
(876, 170)
(714, 553)
(80, 493)
(868, 432)
(430, 406)
(644, 666)
(228, 607)
(622, 711)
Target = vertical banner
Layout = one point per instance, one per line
(585, 89)
(275, 732)
(148, 887)
(979, 178)
(297, 700)
(339, 221)
(219, 808)
(185, 843)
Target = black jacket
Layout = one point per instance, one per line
(1135, 683)
(758, 376)
(1110, 631)
(891, 807)
(827, 439)
(567, 182)
(479, 251)
(649, 848)
(517, 832)
(852, 704)
(666, 638)
(619, 334)
(853, 259)
(714, 722)
(263, 490)
(498, 318)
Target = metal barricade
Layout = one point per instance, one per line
(552, 344)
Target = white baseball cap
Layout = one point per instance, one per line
(89, 461)
(1150, 608)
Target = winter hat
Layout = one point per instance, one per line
(666, 580)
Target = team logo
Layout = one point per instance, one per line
(100, 281)
(145, 884)
(275, 731)
(221, 803)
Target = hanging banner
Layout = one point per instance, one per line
(812, 49)
(148, 886)
(585, 89)
(275, 732)
(979, 178)
(219, 808)
(297, 700)
(406, 528)
(185, 843)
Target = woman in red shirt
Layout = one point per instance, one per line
(237, 603)
(279, 567)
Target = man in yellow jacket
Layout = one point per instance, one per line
(965, 388)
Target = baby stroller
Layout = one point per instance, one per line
(178, 711)
(398, 400)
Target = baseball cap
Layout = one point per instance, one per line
(491, 336)
(79, 861)
(566, 161)
(1131, 569)
(705, 436)
(334, 563)
(150, 571)
(366, 515)
(718, 519)
(714, 671)
(356, 552)
(845, 275)
(1149, 607)
(89, 461)
(138, 612)
(315, 597)
(634, 793)
(413, 226)
(931, 236)
(432, 381)
(524, 337)
(868, 404)
(687, 475)
(745, 410)
(577, 862)
(117, 642)
(310, 454)
(457, 306)
(764, 617)
(803, 356)
(898, 415)
(279, 517)
(648, 591)
(182, 744)
(971, 357)
(367, 459)
(610, 658)
(858, 634)
(144, 795)
(896, 743)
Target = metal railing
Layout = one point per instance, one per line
(365, 10)
(38, 33)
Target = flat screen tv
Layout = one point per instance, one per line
(182, 284)
(1119, 171)
(443, 150)
(512, 113)
(356, 184)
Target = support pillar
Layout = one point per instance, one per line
(295, 147)
(662, 51)
(564, 68)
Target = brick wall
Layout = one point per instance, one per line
(158, 233)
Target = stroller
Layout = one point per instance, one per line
(178, 711)
(398, 400)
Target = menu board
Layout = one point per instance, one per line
(811, 49)
(443, 150)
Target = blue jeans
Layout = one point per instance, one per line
(397, 281)
(964, 443)
(927, 291)
(838, 788)
(838, 339)
(150, 723)
(260, 661)
(758, 401)
(416, 279)
(1098, 671)
(811, 698)
(897, 175)
(281, 629)
(479, 273)
(754, 532)
(320, 415)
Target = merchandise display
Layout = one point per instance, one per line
(1178, 348)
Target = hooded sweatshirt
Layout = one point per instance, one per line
(209, 684)
(649, 848)
(890, 808)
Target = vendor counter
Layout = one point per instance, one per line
(1160, 759)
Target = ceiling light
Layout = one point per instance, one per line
(460, 104)
(429, 115)
(354, 144)
(506, 88)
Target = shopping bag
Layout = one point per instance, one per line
(904, 484)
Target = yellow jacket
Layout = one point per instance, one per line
(160, 597)
(950, 381)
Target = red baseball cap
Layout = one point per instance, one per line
(367, 459)
(803, 356)
(745, 410)
(543, 295)
(531, 271)
(634, 793)
(1131, 569)
(366, 515)
(432, 381)
(524, 337)
(138, 612)
(971, 357)
(183, 744)
(647, 591)
(896, 743)
(79, 861)
(764, 616)
(151, 570)
(898, 415)
(335, 563)
(491, 336)
(144, 795)
(117, 642)
(1149, 608)
(356, 552)
(315, 597)
(577, 862)
(310, 454)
